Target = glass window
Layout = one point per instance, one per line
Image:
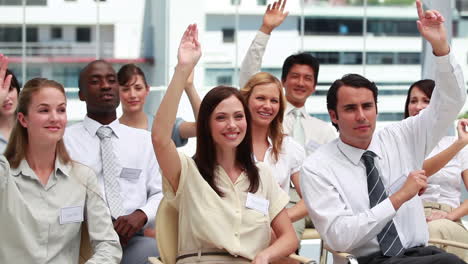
(56, 33)
(217, 76)
(10, 34)
(20, 2)
(66, 74)
(83, 34)
(14, 34)
(351, 58)
(409, 58)
(228, 35)
(235, 2)
(261, 2)
(32, 34)
(322, 26)
(380, 58)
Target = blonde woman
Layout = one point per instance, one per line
(264, 96)
(44, 195)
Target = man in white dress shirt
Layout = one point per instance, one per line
(136, 189)
(361, 190)
(299, 77)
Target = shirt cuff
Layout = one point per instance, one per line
(445, 63)
(384, 211)
(150, 213)
(262, 37)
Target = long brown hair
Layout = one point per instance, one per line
(426, 86)
(127, 73)
(18, 143)
(205, 155)
(275, 131)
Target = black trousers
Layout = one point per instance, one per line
(416, 255)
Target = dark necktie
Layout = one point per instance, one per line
(388, 238)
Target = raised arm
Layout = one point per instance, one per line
(437, 162)
(166, 153)
(189, 129)
(422, 132)
(273, 17)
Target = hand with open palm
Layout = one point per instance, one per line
(274, 16)
(189, 49)
(431, 26)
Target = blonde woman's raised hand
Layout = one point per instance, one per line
(5, 81)
(431, 26)
(274, 16)
(189, 49)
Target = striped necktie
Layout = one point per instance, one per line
(389, 241)
(110, 171)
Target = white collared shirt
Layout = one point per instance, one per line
(289, 161)
(445, 185)
(334, 183)
(133, 149)
(316, 131)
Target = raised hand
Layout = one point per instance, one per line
(461, 130)
(431, 26)
(5, 81)
(189, 49)
(274, 16)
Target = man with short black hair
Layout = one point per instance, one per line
(123, 159)
(361, 190)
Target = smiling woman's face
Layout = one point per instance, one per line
(47, 116)
(133, 94)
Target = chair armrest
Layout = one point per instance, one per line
(350, 257)
(154, 260)
(302, 259)
(448, 243)
(310, 233)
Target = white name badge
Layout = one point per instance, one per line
(257, 203)
(129, 173)
(73, 214)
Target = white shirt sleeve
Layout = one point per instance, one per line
(421, 133)
(296, 155)
(154, 190)
(252, 62)
(339, 226)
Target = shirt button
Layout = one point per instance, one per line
(236, 234)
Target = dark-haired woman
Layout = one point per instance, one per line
(44, 195)
(447, 166)
(133, 92)
(226, 203)
(8, 111)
